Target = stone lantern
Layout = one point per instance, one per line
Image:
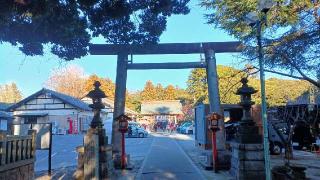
(247, 160)
(96, 161)
(96, 95)
(248, 132)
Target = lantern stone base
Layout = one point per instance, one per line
(223, 161)
(247, 161)
(95, 157)
(206, 160)
(248, 134)
(117, 162)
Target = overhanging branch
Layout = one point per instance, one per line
(280, 73)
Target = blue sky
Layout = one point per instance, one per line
(30, 73)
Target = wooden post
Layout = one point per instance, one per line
(9, 152)
(24, 147)
(214, 97)
(19, 147)
(50, 149)
(29, 142)
(119, 104)
(14, 150)
(3, 140)
(33, 142)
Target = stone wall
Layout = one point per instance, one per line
(25, 172)
(247, 161)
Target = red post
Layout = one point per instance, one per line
(70, 130)
(214, 151)
(123, 154)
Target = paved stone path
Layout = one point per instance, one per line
(167, 161)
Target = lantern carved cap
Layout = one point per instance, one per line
(213, 116)
(96, 92)
(245, 89)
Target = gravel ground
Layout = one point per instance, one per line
(307, 159)
(61, 174)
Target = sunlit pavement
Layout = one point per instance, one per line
(159, 156)
(63, 152)
(166, 160)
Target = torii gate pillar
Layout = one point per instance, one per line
(214, 100)
(119, 105)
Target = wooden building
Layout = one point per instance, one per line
(68, 114)
(166, 110)
(5, 117)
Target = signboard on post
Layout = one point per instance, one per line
(43, 135)
(44, 139)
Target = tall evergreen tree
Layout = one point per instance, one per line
(68, 26)
(10, 93)
(149, 92)
(160, 92)
(170, 93)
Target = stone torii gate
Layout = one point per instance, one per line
(123, 65)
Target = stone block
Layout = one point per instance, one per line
(247, 147)
(245, 175)
(247, 165)
(224, 160)
(2, 175)
(247, 161)
(247, 155)
(248, 134)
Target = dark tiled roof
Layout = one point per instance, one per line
(161, 107)
(4, 106)
(69, 99)
(77, 103)
(304, 99)
(4, 115)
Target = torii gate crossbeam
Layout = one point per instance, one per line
(165, 48)
(123, 65)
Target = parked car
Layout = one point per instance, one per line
(135, 124)
(187, 129)
(135, 131)
(181, 128)
(277, 132)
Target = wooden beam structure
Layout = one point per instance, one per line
(122, 51)
(165, 48)
(180, 65)
(119, 102)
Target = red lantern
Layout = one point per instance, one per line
(123, 128)
(213, 119)
(123, 123)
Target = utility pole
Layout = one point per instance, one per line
(263, 98)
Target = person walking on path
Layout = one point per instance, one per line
(171, 127)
